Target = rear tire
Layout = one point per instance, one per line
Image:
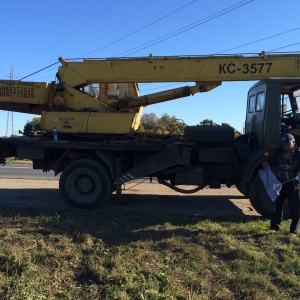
(85, 183)
(260, 200)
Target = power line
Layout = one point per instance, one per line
(184, 29)
(138, 30)
(75, 30)
(130, 34)
(188, 27)
(285, 46)
(263, 39)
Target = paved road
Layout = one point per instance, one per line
(24, 171)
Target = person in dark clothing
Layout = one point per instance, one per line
(285, 163)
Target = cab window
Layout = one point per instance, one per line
(92, 89)
(251, 104)
(260, 102)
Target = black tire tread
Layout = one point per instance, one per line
(260, 200)
(97, 168)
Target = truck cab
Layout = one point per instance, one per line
(272, 110)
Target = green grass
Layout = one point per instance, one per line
(81, 254)
(15, 160)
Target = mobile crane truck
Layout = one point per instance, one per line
(95, 107)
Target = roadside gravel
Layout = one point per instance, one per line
(152, 197)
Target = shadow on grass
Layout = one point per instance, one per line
(192, 205)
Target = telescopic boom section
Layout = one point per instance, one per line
(180, 69)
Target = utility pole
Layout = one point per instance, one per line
(10, 113)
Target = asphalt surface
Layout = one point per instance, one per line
(24, 171)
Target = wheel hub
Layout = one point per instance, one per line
(85, 184)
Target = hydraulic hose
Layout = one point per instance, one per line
(173, 187)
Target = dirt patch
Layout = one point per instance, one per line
(138, 196)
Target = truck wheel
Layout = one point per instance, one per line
(260, 200)
(209, 133)
(85, 183)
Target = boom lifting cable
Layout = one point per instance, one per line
(39, 70)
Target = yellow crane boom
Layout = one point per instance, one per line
(102, 96)
(180, 68)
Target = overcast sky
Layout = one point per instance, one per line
(35, 33)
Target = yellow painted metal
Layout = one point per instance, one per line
(75, 99)
(159, 97)
(35, 94)
(180, 69)
(25, 92)
(91, 122)
(102, 96)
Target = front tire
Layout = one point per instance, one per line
(85, 183)
(260, 200)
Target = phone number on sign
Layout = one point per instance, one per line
(17, 91)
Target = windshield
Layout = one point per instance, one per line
(290, 114)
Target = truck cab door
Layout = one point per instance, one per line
(263, 114)
(256, 112)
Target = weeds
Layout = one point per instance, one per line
(74, 254)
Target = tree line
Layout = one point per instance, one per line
(149, 123)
